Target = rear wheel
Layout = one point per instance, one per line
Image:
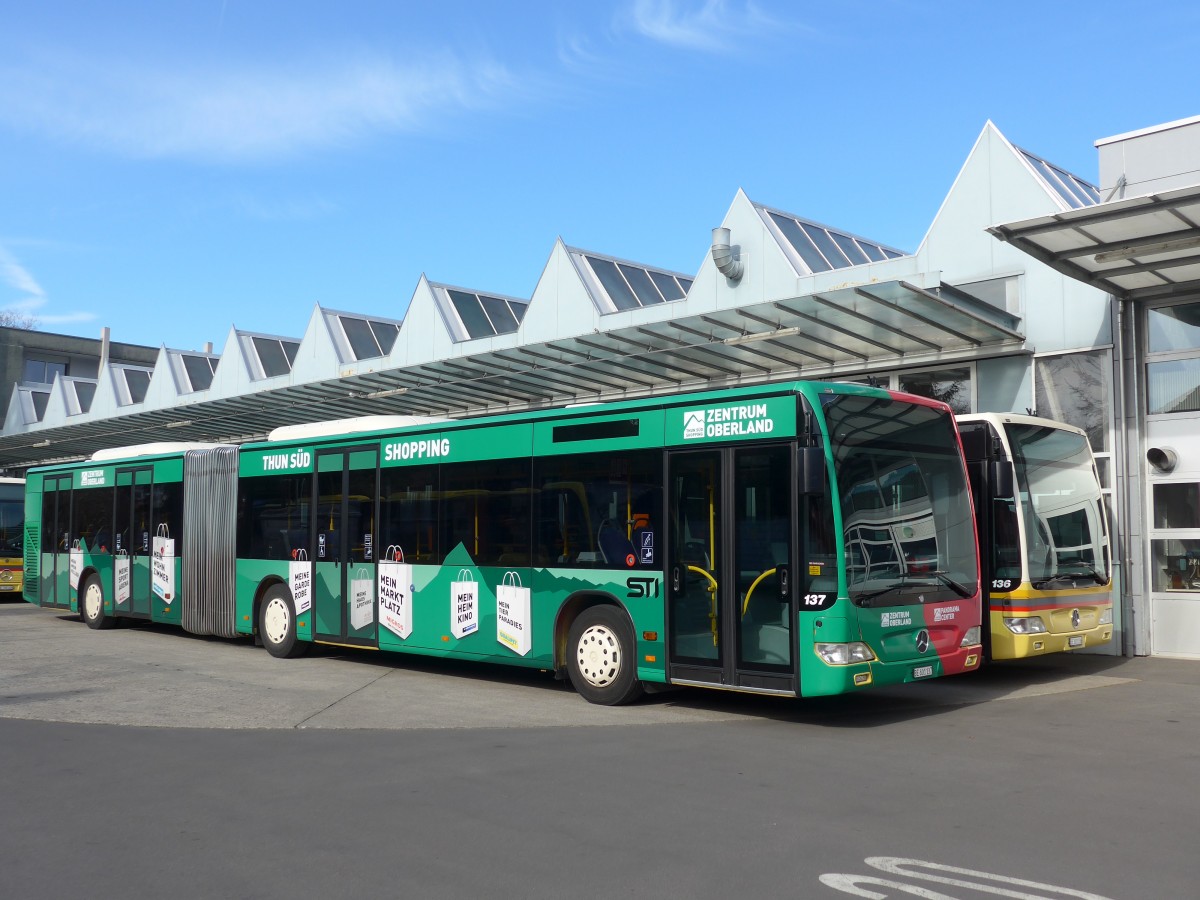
(91, 604)
(602, 660)
(277, 624)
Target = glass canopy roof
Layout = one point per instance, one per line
(1071, 189)
(817, 248)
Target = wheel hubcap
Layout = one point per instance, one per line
(92, 599)
(275, 621)
(598, 656)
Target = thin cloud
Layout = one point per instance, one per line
(31, 299)
(252, 113)
(17, 277)
(710, 26)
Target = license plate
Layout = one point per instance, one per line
(7, 587)
(922, 671)
(1076, 641)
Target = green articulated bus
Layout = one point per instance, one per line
(798, 539)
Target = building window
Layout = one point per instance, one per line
(1074, 388)
(42, 371)
(951, 386)
(1173, 359)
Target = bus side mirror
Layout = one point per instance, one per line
(810, 471)
(1000, 476)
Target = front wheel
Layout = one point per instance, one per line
(91, 604)
(602, 660)
(277, 624)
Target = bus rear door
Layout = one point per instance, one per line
(344, 554)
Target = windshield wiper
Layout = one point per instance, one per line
(906, 582)
(1088, 572)
(961, 589)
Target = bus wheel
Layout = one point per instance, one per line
(603, 661)
(91, 604)
(277, 624)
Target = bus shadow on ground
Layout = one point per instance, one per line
(873, 707)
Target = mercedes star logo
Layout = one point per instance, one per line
(922, 641)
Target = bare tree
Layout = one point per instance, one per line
(11, 318)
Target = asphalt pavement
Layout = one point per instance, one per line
(142, 761)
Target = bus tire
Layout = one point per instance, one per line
(602, 657)
(277, 624)
(91, 604)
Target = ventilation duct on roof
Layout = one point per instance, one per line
(723, 256)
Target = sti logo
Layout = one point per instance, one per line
(693, 424)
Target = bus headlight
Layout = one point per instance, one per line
(1030, 625)
(844, 654)
(1106, 617)
(971, 637)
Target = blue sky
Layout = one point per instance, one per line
(172, 169)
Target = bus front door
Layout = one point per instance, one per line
(731, 516)
(344, 552)
(132, 544)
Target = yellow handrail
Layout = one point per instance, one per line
(746, 602)
(712, 590)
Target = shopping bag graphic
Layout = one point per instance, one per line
(162, 564)
(464, 605)
(395, 592)
(300, 581)
(121, 576)
(75, 568)
(512, 614)
(362, 599)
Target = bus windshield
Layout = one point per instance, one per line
(1060, 504)
(12, 518)
(906, 511)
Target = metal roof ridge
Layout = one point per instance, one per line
(629, 262)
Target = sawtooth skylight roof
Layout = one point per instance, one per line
(618, 284)
(1071, 189)
(366, 338)
(269, 356)
(80, 393)
(199, 370)
(131, 384)
(472, 315)
(818, 248)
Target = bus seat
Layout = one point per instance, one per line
(615, 546)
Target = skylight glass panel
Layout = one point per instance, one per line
(618, 291)
(138, 383)
(643, 287)
(273, 356)
(290, 349)
(40, 399)
(685, 284)
(850, 248)
(800, 243)
(200, 370)
(85, 393)
(668, 286)
(1074, 191)
(874, 253)
(825, 244)
(470, 312)
(385, 335)
(504, 321)
(890, 254)
(362, 339)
